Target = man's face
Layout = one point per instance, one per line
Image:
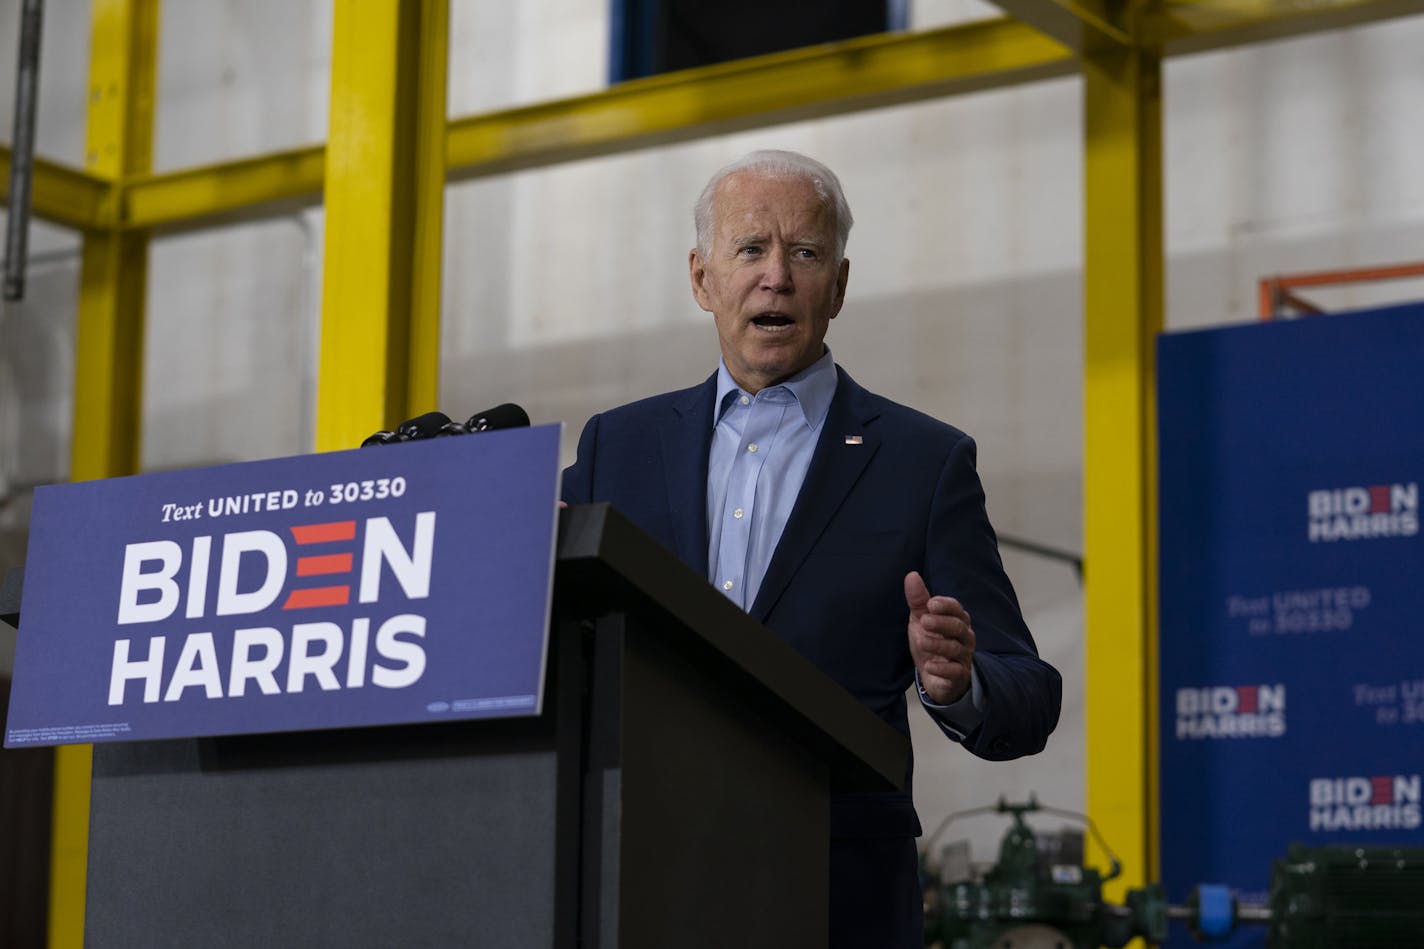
(770, 280)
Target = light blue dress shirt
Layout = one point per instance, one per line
(761, 448)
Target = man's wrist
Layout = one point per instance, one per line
(959, 717)
(931, 702)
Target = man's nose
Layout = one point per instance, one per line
(776, 275)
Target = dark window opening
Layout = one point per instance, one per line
(656, 36)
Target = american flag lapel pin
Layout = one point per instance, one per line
(854, 440)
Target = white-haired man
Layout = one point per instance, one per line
(853, 527)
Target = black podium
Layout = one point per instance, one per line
(674, 793)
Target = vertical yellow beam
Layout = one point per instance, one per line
(108, 392)
(427, 243)
(1122, 275)
(385, 164)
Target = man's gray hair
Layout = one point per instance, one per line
(777, 164)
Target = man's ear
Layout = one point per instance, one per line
(697, 273)
(842, 277)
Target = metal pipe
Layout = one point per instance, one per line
(1043, 550)
(22, 157)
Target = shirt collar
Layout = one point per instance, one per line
(813, 388)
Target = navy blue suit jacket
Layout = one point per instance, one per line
(903, 496)
(906, 497)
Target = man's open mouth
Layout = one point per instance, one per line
(773, 322)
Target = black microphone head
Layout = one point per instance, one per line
(507, 415)
(422, 426)
(380, 438)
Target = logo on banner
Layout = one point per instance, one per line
(320, 566)
(1384, 802)
(1364, 513)
(1243, 711)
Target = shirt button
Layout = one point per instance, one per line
(726, 584)
(746, 401)
(752, 448)
(738, 513)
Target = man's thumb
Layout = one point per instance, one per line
(917, 595)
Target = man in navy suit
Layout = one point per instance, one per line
(853, 527)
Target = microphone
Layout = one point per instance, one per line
(507, 415)
(422, 426)
(439, 425)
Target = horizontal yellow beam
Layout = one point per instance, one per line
(824, 80)
(254, 187)
(63, 195)
(1194, 26)
(1081, 25)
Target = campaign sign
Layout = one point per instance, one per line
(1291, 661)
(402, 583)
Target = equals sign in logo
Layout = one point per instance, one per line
(322, 565)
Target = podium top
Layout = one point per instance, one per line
(607, 562)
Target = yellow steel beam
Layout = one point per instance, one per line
(108, 363)
(1123, 302)
(124, 35)
(383, 198)
(1192, 26)
(827, 80)
(64, 195)
(833, 79)
(69, 852)
(427, 242)
(278, 183)
(1080, 25)
(109, 355)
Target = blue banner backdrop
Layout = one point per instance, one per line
(405, 583)
(1292, 586)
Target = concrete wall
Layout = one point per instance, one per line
(566, 288)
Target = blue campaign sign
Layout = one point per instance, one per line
(1291, 669)
(405, 583)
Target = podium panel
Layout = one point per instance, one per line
(353, 839)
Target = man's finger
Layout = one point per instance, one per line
(950, 671)
(947, 606)
(944, 647)
(943, 627)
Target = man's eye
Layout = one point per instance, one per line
(806, 253)
(749, 250)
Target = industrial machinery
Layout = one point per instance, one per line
(1328, 897)
(1039, 894)
(1035, 895)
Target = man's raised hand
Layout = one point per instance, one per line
(941, 642)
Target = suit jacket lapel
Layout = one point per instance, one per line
(686, 441)
(835, 468)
